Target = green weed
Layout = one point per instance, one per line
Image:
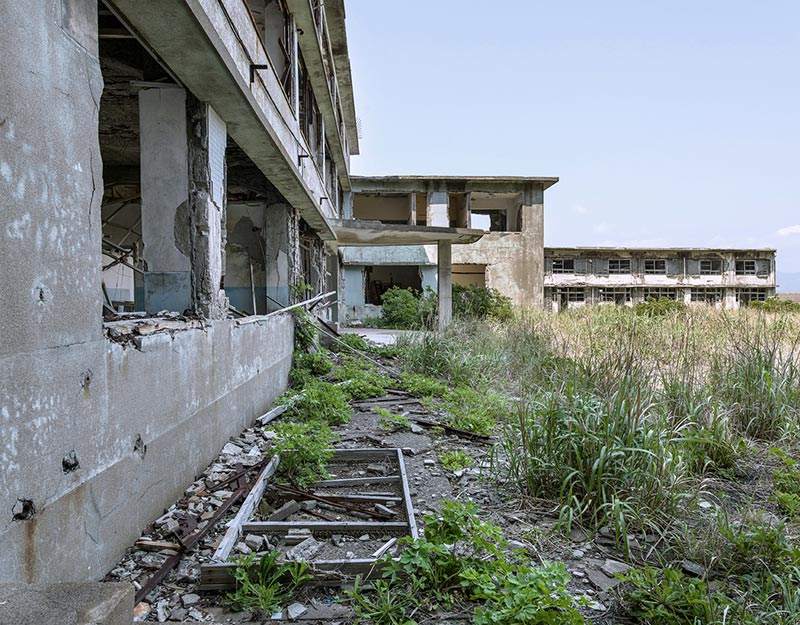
(391, 422)
(455, 460)
(265, 585)
(304, 450)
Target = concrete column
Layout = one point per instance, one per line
(412, 209)
(437, 210)
(428, 276)
(165, 199)
(445, 284)
(280, 243)
(532, 228)
(207, 199)
(687, 295)
(347, 205)
(730, 299)
(334, 283)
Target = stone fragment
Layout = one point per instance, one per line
(162, 610)
(692, 568)
(254, 541)
(614, 567)
(232, 450)
(295, 611)
(429, 462)
(376, 469)
(190, 599)
(243, 548)
(178, 614)
(141, 610)
(304, 551)
(363, 537)
(600, 580)
(285, 511)
(578, 554)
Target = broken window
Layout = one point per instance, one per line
(655, 266)
(661, 293)
(710, 267)
(491, 220)
(745, 296)
(707, 296)
(619, 265)
(572, 295)
(563, 265)
(745, 267)
(615, 296)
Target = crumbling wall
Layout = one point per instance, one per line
(96, 437)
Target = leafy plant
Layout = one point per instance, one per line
(668, 597)
(422, 385)
(660, 307)
(304, 450)
(475, 411)
(267, 584)
(352, 340)
(391, 422)
(360, 379)
(474, 302)
(318, 401)
(382, 606)
(400, 308)
(455, 460)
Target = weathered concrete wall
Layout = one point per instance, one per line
(142, 423)
(245, 227)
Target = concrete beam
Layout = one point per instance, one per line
(196, 40)
(445, 284)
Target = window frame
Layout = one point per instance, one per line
(744, 271)
(711, 271)
(619, 270)
(564, 269)
(654, 271)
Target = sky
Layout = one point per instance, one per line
(669, 123)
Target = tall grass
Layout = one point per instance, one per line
(620, 415)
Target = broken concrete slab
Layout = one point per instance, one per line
(67, 603)
(285, 511)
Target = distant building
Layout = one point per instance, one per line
(508, 258)
(726, 278)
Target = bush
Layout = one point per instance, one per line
(775, 305)
(474, 302)
(400, 308)
(360, 379)
(267, 585)
(318, 401)
(304, 449)
(353, 340)
(660, 307)
(421, 385)
(475, 411)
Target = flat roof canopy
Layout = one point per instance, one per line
(361, 232)
(453, 184)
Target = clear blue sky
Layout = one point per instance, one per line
(668, 122)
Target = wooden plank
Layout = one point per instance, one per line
(377, 498)
(364, 454)
(272, 414)
(337, 527)
(357, 481)
(216, 576)
(412, 522)
(225, 547)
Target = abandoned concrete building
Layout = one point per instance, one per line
(180, 156)
(509, 257)
(175, 180)
(726, 278)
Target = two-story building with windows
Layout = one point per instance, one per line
(729, 278)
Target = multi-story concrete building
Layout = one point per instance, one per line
(580, 276)
(187, 156)
(509, 257)
(204, 147)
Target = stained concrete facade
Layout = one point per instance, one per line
(724, 278)
(136, 138)
(509, 257)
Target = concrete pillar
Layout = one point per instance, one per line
(165, 199)
(334, 284)
(687, 295)
(428, 277)
(730, 301)
(207, 198)
(437, 210)
(347, 207)
(445, 284)
(281, 243)
(532, 228)
(412, 209)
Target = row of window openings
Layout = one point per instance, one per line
(656, 266)
(624, 295)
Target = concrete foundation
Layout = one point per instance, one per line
(66, 604)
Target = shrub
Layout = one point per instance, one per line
(360, 379)
(266, 585)
(353, 340)
(668, 597)
(474, 302)
(305, 450)
(660, 307)
(390, 421)
(455, 460)
(775, 305)
(318, 401)
(400, 308)
(422, 386)
(475, 411)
